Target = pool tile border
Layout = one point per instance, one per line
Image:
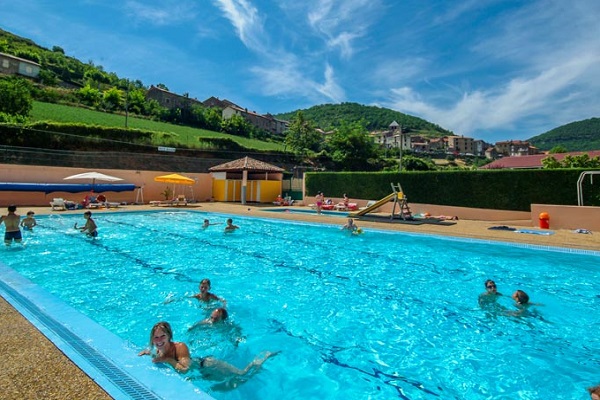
(95, 350)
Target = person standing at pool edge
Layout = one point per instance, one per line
(319, 201)
(11, 223)
(90, 227)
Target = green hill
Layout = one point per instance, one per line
(185, 135)
(575, 136)
(329, 116)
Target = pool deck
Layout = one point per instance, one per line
(35, 368)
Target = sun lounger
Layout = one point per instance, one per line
(344, 207)
(58, 203)
(180, 201)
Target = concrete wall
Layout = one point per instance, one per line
(568, 217)
(202, 190)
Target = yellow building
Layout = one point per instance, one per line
(246, 180)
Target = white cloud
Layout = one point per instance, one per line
(288, 79)
(167, 13)
(342, 23)
(247, 22)
(493, 108)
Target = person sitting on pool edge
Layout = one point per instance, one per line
(90, 227)
(230, 226)
(177, 355)
(205, 295)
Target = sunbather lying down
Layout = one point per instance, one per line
(440, 217)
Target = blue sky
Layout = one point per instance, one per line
(487, 69)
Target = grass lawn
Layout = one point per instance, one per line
(187, 136)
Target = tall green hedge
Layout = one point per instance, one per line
(496, 189)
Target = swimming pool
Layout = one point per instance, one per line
(380, 315)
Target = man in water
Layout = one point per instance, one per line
(490, 295)
(11, 223)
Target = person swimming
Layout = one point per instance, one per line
(163, 349)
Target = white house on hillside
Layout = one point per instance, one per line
(12, 65)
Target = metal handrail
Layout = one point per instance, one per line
(580, 186)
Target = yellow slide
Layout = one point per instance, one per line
(373, 207)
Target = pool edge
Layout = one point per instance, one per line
(97, 352)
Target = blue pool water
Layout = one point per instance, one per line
(381, 315)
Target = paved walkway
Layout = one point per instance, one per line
(35, 369)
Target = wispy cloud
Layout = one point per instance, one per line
(247, 22)
(168, 12)
(548, 67)
(277, 72)
(495, 108)
(341, 23)
(289, 80)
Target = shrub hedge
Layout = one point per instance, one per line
(496, 189)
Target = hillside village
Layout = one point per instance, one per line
(392, 138)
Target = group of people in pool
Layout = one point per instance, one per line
(229, 226)
(491, 294)
(13, 224)
(163, 349)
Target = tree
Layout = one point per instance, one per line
(15, 96)
(212, 118)
(412, 163)
(550, 163)
(302, 136)
(113, 98)
(136, 101)
(352, 149)
(558, 149)
(236, 125)
(162, 86)
(571, 161)
(89, 95)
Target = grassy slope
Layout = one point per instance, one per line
(187, 136)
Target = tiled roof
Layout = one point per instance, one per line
(245, 164)
(534, 161)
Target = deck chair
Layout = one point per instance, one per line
(58, 203)
(369, 204)
(180, 201)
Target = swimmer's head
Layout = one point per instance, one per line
(520, 297)
(219, 314)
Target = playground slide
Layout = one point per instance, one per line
(373, 207)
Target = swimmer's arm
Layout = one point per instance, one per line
(183, 354)
(145, 352)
